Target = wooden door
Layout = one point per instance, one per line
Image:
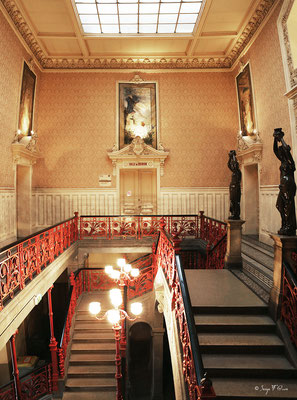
(138, 191)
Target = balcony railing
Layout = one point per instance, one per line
(289, 301)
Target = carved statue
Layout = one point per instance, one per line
(234, 188)
(287, 189)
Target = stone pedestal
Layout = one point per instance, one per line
(233, 259)
(283, 247)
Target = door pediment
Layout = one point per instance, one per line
(138, 154)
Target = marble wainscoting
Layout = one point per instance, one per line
(7, 215)
(269, 217)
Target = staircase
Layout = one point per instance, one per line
(257, 268)
(91, 370)
(241, 350)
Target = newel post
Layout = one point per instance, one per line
(15, 371)
(283, 248)
(233, 258)
(53, 343)
(76, 231)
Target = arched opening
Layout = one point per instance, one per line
(140, 361)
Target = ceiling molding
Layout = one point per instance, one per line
(160, 63)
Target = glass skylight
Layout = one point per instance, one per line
(138, 16)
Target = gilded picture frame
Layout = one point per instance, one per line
(25, 124)
(137, 113)
(246, 102)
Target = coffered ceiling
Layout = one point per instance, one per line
(53, 32)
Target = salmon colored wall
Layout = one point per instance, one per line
(11, 65)
(269, 88)
(77, 124)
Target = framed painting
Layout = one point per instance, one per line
(137, 113)
(246, 102)
(27, 101)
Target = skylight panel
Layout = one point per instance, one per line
(148, 8)
(167, 18)
(138, 16)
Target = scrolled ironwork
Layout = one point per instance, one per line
(289, 302)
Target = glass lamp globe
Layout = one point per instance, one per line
(113, 316)
(116, 297)
(121, 262)
(108, 269)
(127, 268)
(115, 274)
(135, 272)
(95, 307)
(136, 308)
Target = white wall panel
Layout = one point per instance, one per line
(270, 220)
(7, 214)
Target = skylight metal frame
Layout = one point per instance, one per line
(113, 24)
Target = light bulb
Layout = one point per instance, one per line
(127, 268)
(121, 262)
(108, 269)
(115, 274)
(113, 316)
(136, 308)
(116, 297)
(95, 307)
(134, 272)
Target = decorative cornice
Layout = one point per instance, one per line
(163, 63)
(292, 70)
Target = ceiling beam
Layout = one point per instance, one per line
(80, 39)
(218, 34)
(201, 22)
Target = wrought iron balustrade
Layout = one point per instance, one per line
(33, 385)
(289, 300)
(24, 259)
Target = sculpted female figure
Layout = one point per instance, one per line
(234, 188)
(287, 189)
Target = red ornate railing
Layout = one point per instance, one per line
(136, 226)
(22, 260)
(211, 230)
(32, 386)
(289, 301)
(198, 387)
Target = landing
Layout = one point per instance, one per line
(219, 288)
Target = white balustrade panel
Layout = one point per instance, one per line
(270, 220)
(7, 214)
(213, 201)
(50, 206)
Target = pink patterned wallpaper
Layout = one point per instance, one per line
(11, 64)
(269, 88)
(77, 124)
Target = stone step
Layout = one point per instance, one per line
(251, 365)
(267, 271)
(234, 323)
(256, 244)
(95, 325)
(91, 371)
(245, 389)
(231, 310)
(93, 336)
(89, 384)
(93, 347)
(84, 395)
(92, 359)
(240, 343)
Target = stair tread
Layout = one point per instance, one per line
(93, 346)
(91, 369)
(262, 247)
(93, 335)
(233, 319)
(246, 361)
(95, 382)
(267, 270)
(254, 388)
(91, 357)
(235, 339)
(85, 395)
